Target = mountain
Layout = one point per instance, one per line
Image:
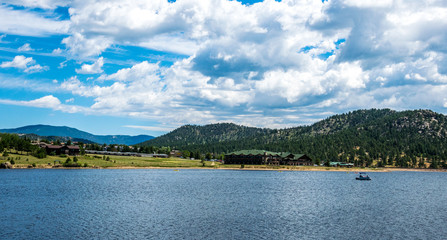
(375, 134)
(191, 135)
(35, 137)
(46, 130)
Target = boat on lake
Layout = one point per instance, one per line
(363, 176)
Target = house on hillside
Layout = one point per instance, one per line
(52, 149)
(71, 150)
(175, 153)
(58, 150)
(261, 157)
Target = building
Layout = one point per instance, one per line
(52, 149)
(175, 153)
(71, 150)
(58, 150)
(261, 157)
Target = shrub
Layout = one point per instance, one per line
(5, 154)
(41, 153)
(75, 159)
(71, 164)
(85, 165)
(63, 155)
(34, 164)
(12, 162)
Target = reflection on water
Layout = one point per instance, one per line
(220, 204)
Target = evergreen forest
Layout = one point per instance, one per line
(375, 137)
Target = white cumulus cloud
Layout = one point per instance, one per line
(25, 48)
(138, 71)
(45, 4)
(27, 64)
(96, 67)
(273, 63)
(28, 23)
(48, 101)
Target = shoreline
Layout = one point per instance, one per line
(296, 169)
(126, 162)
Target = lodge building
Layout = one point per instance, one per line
(261, 157)
(58, 150)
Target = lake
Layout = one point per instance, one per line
(220, 204)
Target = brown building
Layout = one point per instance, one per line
(58, 150)
(261, 157)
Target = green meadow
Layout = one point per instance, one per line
(108, 161)
(100, 161)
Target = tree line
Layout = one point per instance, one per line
(14, 143)
(379, 137)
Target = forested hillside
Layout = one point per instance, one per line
(22, 144)
(387, 137)
(189, 135)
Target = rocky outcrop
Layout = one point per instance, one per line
(5, 165)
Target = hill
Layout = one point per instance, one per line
(190, 135)
(35, 137)
(383, 135)
(75, 134)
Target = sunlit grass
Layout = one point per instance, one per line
(100, 161)
(107, 161)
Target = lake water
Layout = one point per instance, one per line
(220, 204)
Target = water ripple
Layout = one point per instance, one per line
(206, 204)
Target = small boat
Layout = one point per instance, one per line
(363, 176)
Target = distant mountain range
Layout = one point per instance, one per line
(361, 135)
(35, 137)
(78, 135)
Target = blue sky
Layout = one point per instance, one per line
(148, 67)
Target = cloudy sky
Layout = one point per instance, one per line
(147, 67)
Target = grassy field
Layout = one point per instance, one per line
(98, 161)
